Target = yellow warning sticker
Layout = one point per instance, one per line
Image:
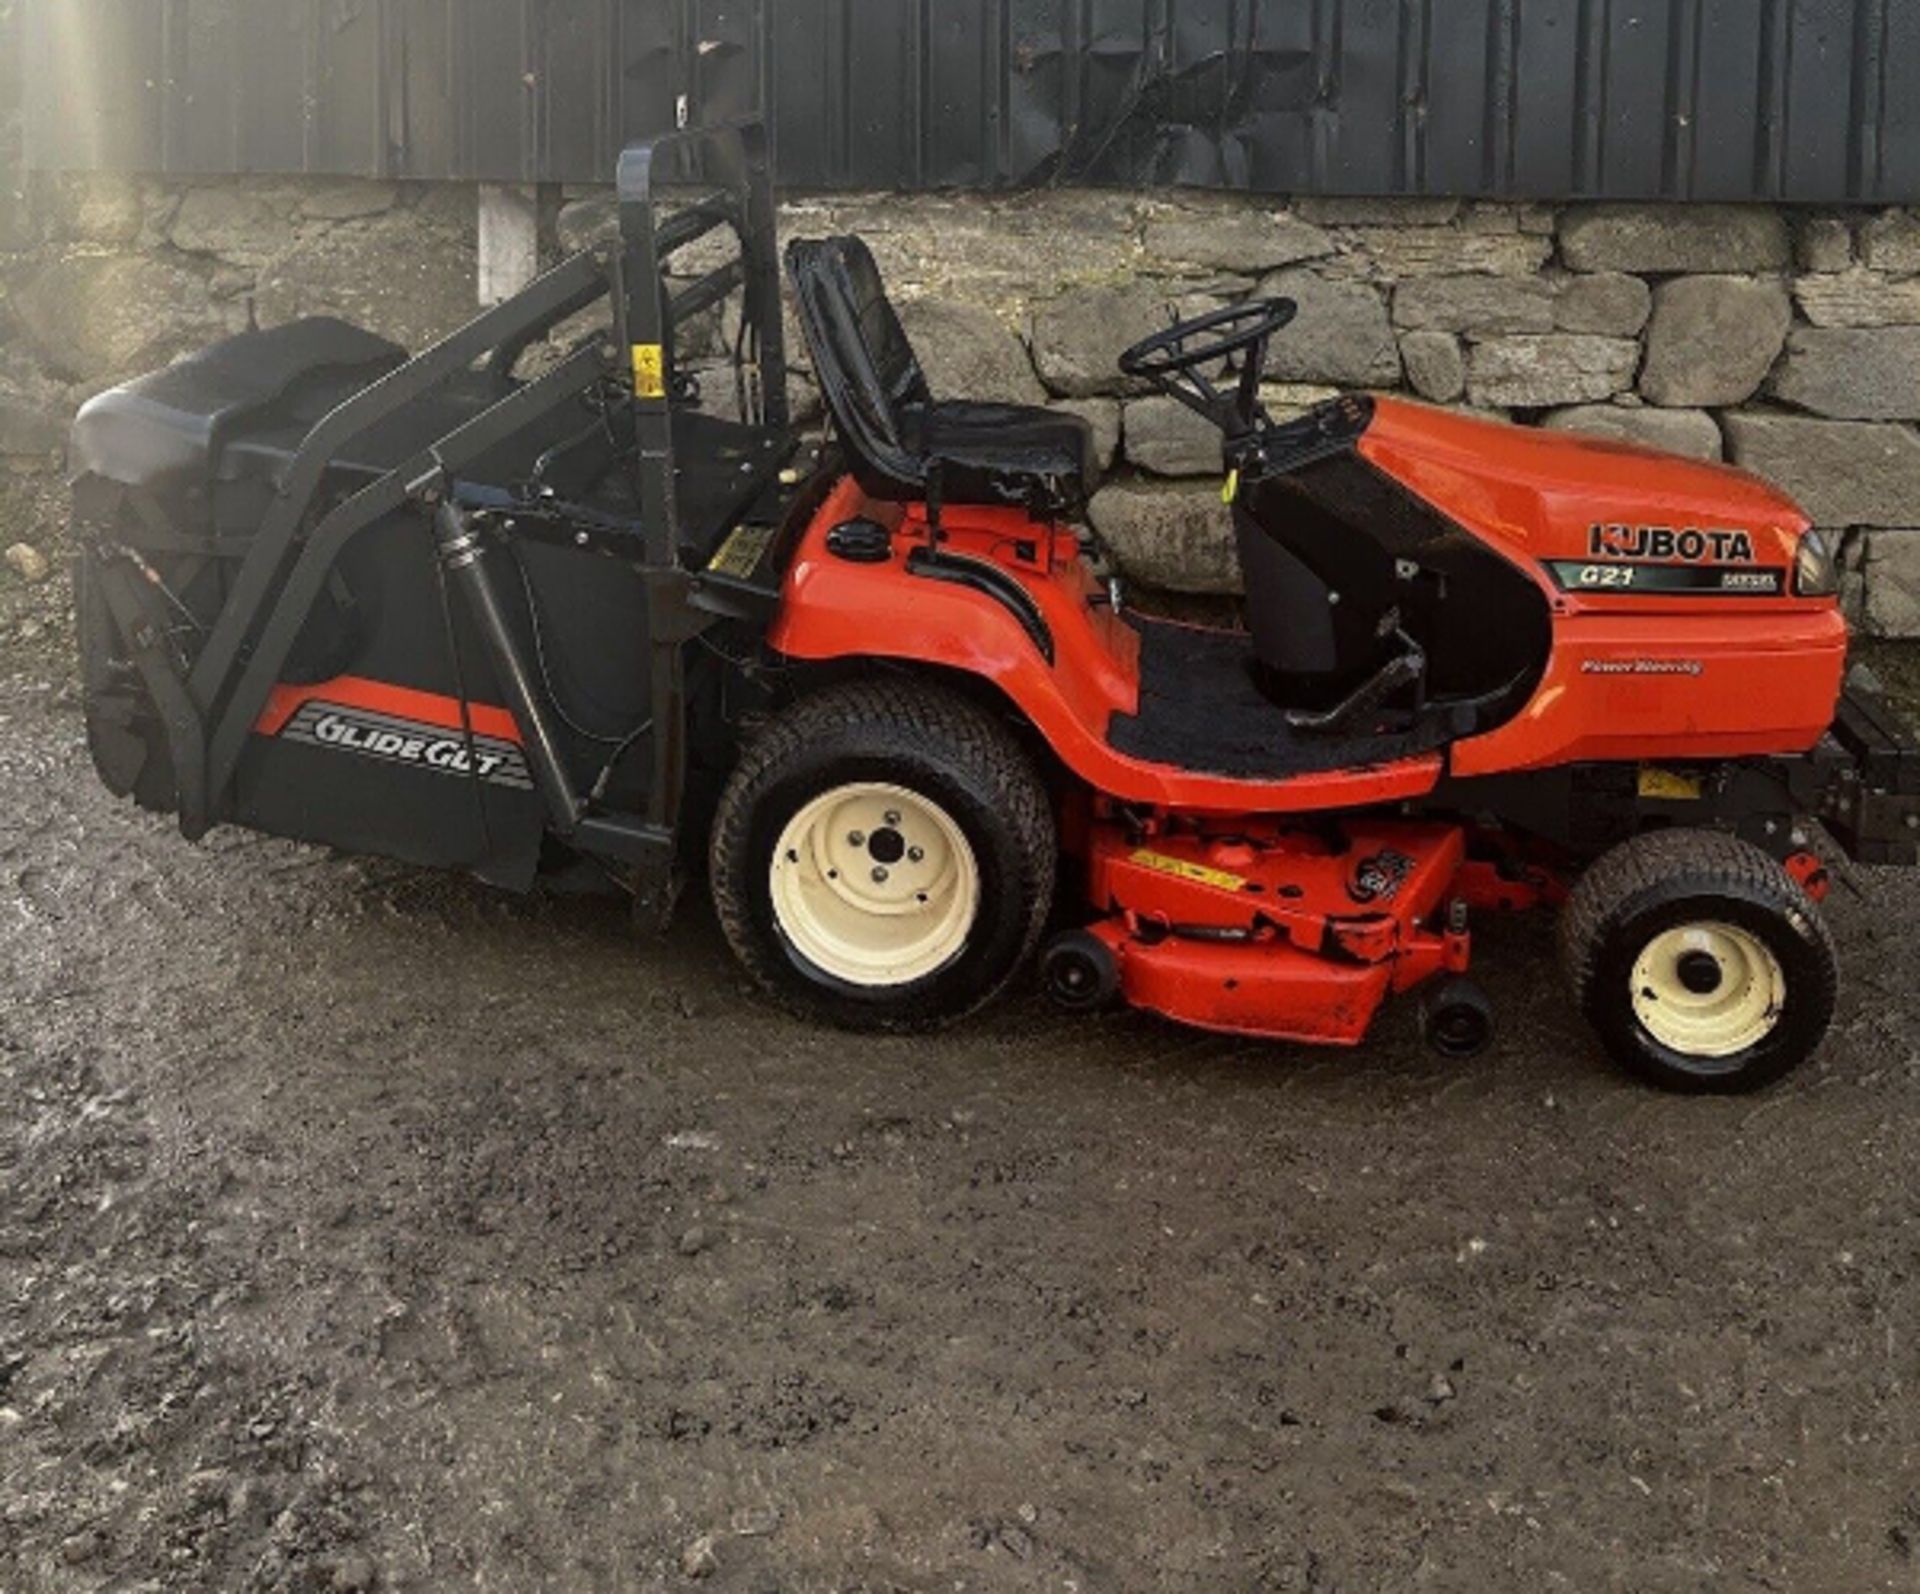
(649, 371)
(740, 554)
(1668, 784)
(1198, 873)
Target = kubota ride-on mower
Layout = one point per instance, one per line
(888, 690)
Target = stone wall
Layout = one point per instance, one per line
(1785, 341)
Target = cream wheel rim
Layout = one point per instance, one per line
(874, 885)
(1708, 989)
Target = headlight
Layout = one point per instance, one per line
(1816, 572)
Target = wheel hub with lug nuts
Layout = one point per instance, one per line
(875, 885)
(1708, 989)
(1699, 972)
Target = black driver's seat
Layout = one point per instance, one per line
(904, 443)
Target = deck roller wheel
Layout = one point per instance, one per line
(1700, 962)
(1080, 972)
(1457, 1018)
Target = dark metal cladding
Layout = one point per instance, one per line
(1625, 99)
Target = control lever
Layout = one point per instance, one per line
(1406, 668)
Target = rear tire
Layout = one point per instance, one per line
(884, 856)
(1699, 961)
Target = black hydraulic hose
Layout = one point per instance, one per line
(464, 556)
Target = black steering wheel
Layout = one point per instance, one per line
(1204, 339)
(1171, 361)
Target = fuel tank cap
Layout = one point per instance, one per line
(861, 542)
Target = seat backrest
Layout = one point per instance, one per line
(867, 368)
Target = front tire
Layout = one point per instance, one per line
(884, 856)
(1700, 962)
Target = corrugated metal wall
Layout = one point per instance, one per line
(1706, 99)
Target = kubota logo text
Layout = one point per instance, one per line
(1691, 545)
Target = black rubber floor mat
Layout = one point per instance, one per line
(1200, 709)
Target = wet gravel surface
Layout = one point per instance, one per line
(363, 1230)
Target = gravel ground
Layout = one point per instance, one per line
(363, 1230)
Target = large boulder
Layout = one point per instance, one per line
(1890, 579)
(94, 317)
(233, 220)
(97, 208)
(1713, 339)
(1006, 251)
(1175, 536)
(1078, 337)
(1233, 237)
(1843, 473)
(1288, 401)
(1823, 243)
(29, 428)
(1477, 305)
(1853, 374)
(583, 223)
(1692, 433)
(1540, 370)
(1341, 335)
(1891, 241)
(1103, 416)
(1674, 238)
(1396, 252)
(346, 199)
(1489, 216)
(1167, 438)
(1609, 303)
(408, 275)
(1858, 299)
(970, 353)
(1436, 369)
(1377, 211)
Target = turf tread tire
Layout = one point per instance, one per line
(920, 724)
(1641, 871)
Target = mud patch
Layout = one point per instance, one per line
(365, 1230)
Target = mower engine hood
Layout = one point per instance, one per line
(1552, 495)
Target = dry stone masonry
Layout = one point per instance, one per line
(1787, 342)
